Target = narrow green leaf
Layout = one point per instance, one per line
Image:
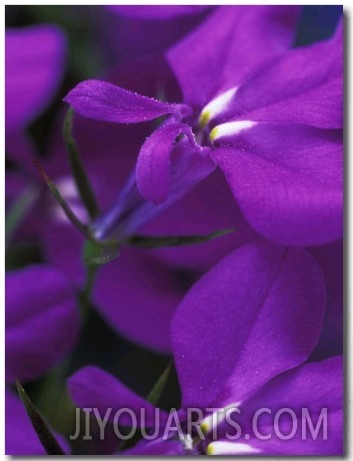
(153, 397)
(174, 241)
(83, 184)
(19, 211)
(156, 393)
(58, 197)
(45, 435)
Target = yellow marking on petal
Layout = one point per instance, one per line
(216, 106)
(205, 427)
(204, 118)
(214, 134)
(210, 450)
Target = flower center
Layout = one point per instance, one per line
(215, 108)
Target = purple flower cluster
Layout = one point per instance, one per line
(212, 119)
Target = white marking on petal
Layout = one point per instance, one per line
(230, 129)
(216, 417)
(230, 448)
(216, 106)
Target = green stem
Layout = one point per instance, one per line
(144, 241)
(65, 207)
(85, 293)
(82, 182)
(156, 393)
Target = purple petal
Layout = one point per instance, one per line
(20, 437)
(296, 446)
(189, 164)
(228, 46)
(287, 180)
(22, 151)
(153, 164)
(313, 386)
(35, 58)
(310, 387)
(320, 106)
(41, 321)
(110, 103)
(91, 387)
(68, 259)
(305, 86)
(260, 305)
(138, 296)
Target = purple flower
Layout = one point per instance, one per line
(41, 321)
(34, 64)
(270, 119)
(139, 284)
(240, 337)
(135, 285)
(42, 324)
